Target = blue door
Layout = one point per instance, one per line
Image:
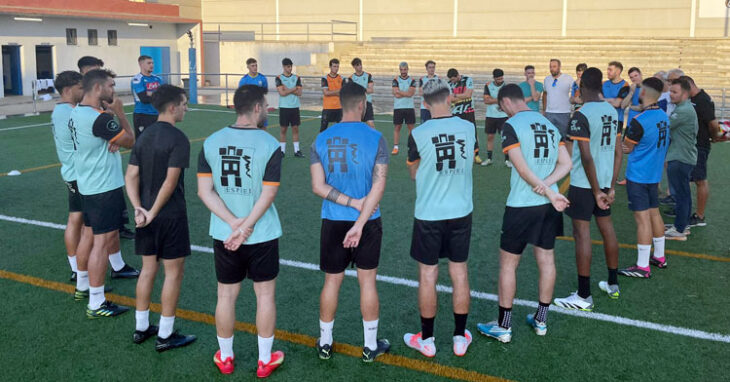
(161, 57)
(12, 74)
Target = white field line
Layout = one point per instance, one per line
(34, 125)
(687, 332)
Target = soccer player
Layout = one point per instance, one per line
(441, 164)
(349, 164)
(681, 157)
(631, 101)
(531, 89)
(253, 77)
(98, 164)
(289, 86)
(594, 131)
(708, 130)
(68, 85)
(462, 106)
(156, 188)
(556, 98)
(404, 87)
(87, 63)
(365, 80)
(494, 117)
(615, 89)
(144, 84)
(331, 85)
(430, 76)
(239, 169)
(532, 214)
(646, 140)
(575, 98)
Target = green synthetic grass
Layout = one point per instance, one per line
(45, 335)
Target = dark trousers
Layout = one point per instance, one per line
(678, 176)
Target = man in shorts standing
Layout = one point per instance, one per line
(647, 141)
(533, 209)
(462, 105)
(97, 137)
(239, 169)
(144, 84)
(441, 164)
(289, 86)
(594, 132)
(404, 87)
(349, 164)
(331, 85)
(556, 99)
(495, 118)
(156, 187)
(430, 76)
(365, 80)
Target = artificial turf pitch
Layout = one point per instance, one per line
(45, 335)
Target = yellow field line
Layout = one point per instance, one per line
(295, 338)
(667, 251)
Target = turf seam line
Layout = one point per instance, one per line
(283, 335)
(670, 329)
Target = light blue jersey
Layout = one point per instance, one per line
(65, 147)
(443, 148)
(538, 140)
(97, 170)
(363, 80)
(597, 124)
(422, 82)
(404, 85)
(241, 161)
(491, 89)
(290, 101)
(258, 80)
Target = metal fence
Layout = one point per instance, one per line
(264, 31)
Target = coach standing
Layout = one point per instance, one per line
(556, 99)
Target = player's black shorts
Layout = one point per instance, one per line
(583, 204)
(369, 115)
(289, 116)
(74, 197)
(699, 172)
(334, 257)
(141, 121)
(104, 212)
(168, 238)
(538, 225)
(330, 116)
(493, 125)
(433, 240)
(642, 196)
(258, 262)
(401, 116)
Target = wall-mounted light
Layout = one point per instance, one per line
(138, 25)
(33, 19)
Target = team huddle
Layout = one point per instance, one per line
(581, 134)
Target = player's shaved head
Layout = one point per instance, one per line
(436, 91)
(592, 79)
(351, 95)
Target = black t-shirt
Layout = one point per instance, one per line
(160, 147)
(705, 109)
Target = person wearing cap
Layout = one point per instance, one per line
(495, 117)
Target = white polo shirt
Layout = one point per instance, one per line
(558, 93)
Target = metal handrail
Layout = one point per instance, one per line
(260, 31)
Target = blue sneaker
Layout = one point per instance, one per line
(540, 327)
(493, 330)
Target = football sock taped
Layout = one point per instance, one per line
(325, 332)
(370, 333)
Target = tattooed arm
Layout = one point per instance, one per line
(325, 191)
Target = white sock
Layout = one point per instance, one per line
(659, 247)
(72, 263)
(166, 324)
(325, 332)
(96, 297)
(142, 320)
(116, 261)
(265, 345)
(395, 146)
(370, 329)
(226, 346)
(643, 259)
(283, 147)
(82, 280)
(296, 146)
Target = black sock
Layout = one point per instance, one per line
(542, 311)
(489, 155)
(460, 324)
(584, 286)
(427, 327)
(612, 276)
(505, 317)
